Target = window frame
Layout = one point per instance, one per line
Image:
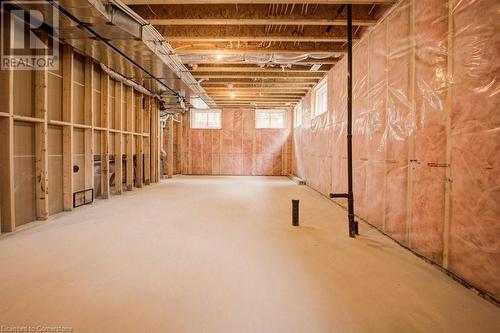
(269, 112)
(321, 87)
(192, 124)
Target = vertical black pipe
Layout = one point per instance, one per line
(295, 212)
(350, 196)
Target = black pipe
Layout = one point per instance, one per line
(350, 195)
(295, 212)
(102, 39)
(339, 195)
(353, 225)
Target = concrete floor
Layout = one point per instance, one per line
(218, 254)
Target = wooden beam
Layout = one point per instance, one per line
(253, 69)
(239, 94)
(256, 99)
(263, 101)
(259, 21)
(7, 188)
(138, 140)
(89, 121)
(232, 2)
(118, 138)
(258, 89)
(322, 49)
(67, 116)
(105, 135)
(41, 145)
(262, 38)
(258, 75)
(326, 61)
(129, 140)
(258, 85)
(261, 80)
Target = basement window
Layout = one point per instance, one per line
(269, 118)
(209, 119)
(321, 98)
(297, 116)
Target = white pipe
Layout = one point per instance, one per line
(126, 81)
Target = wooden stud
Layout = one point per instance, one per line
(118, 138)
(67, 116)
(411, 137)
(449, 105)
(386, 150)
(7, 189)
(151, 142)
(129, 140)
(147, 141)
(179, 144)
(158, 142)
(89, 121)
(138, 140)
(170, 148)
(105, 135)
(41, 145)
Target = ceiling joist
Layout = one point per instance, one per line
(260, 21)
(249, 53)
(232, 2)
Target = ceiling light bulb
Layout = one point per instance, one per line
(232, 94)
(218, 55)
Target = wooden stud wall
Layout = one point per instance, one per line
(105, 136)
(75, 115)
(118, 138)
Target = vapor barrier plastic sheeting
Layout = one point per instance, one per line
(426, 141)
(238, 148)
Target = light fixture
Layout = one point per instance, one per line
(315, 67)
(218, 54)
(232, 94)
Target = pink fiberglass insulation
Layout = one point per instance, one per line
(238, 148)
(426, 139)
(474, 248)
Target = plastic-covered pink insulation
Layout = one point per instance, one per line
(238, 148)
(426, 134)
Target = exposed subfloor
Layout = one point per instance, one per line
(219, 254)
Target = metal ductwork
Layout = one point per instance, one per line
(123, 42)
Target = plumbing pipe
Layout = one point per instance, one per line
(128, 82)
(353, 225)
